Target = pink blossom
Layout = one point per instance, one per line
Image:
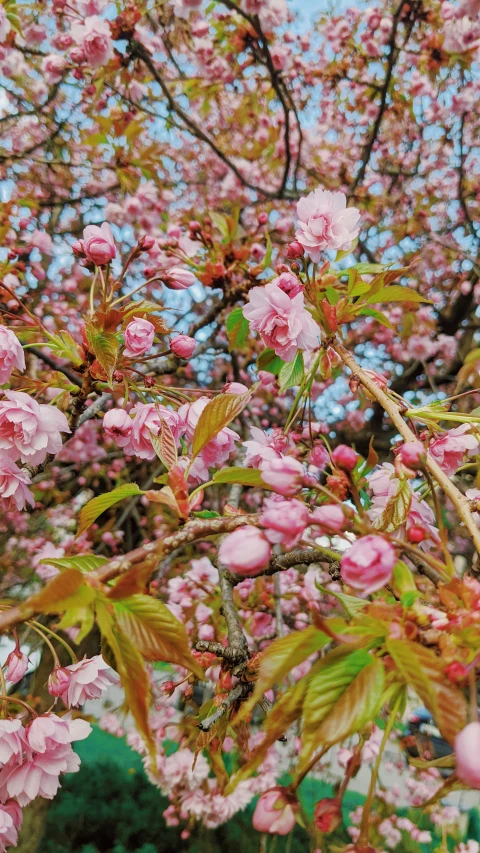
(117, 424)
(30, 430)
(285, 521)
(178, 279)
(14, 483)
(17, 665)
(368, 563)
(10, 823)
(274, 812)
(148, 420)
(138, 337)
(467, 750)
(289, 283)
(329, 516)
(235, 388)
(264, 446)
(285, 475)
(246, 551)
(412, 454)
(12, 742)
(94, 38)
(344, 457)
(53, 67)
(84, 680)
(326, 223)
(183, 346)
(42, 241)
(5, 25)
(11, 354)
(284, 324)
(47, 571)
(98, 244)
(461, 35)
(450, 448)
(217, 451)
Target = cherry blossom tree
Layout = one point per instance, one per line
(238, 407)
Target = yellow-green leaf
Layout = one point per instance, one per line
(84, 562)
(64, 346)
(155, 631)
(242, 476)
(396, 293)
(90, 512)
(237, 328)
(217, 414)
(292, 373)
(105, 346)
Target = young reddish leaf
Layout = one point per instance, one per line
(90, 512)
(164, 445)
(155, 631)
(424, 671)
(178, 484)
(216, 415)
(59, 589)
(279, 659)
(131, 582)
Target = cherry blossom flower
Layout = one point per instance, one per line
(138, 337)
(368, 563)
(450, 448)
(183, 346)
(11, 354)
(17, 665)
(29, 430)
(14, 483)
(148, 420)
(284, 324)
(285, 475)
(274, 813)
(326, 223)
(263, 446)
(87, 680)
(10, 823)
(246, 551)
(5, 25)
(94, 38)
(12, 742)
(285, 521)
(467, 747)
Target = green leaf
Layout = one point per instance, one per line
(396, 293)
(164, 445)
(424, 672)
(443, 761)
(377, 315)
(90, 512)
(155, 631)
(402, 579)
(242, 476)
(350, 603)
(221, 223)
(64, 346)
(292, 373)
(368, 269)
(268, 254)
(84, 562)
(217, 414)
(105, 346)
(237, 328)
(267, 360)
(279, 659)
(342, 697)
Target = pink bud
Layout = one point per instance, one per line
(368, 564)
(330, 516)
(178, 279)
(275, 812)
(467, 750)
(183, 346)
(328, 814)
(344, 457)
(246, 551)
(262, 218)
(235, 388)
(412, 454)
(294, 250)
(17, 665)
(58, 681)
(78, 249)
(146, 243)
(98, 244)
(284, 475)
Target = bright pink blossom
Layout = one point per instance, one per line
(98, 244)
(264, 446)
(467, 752)
(88, 679)
(284, 324)
(329, 516)
(246, 551)
(235, 388)
(285, 521)
(14, 483)
(183, 346)
(412, 454)
(58, 681)
(29, 430)
(178, 279)
(289, 283)
(274, 813)
(17, 665)
(344, 457)
(325, 222)
(368, 563)
(450, 448)
(94, 38)
(53, 67)
(285, 475)
(138, 337)
(11, 354)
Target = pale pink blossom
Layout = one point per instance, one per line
(246, 551)
(330, 517)
(450, 448)
(274, 812)
(88, 679)
(117, 424)
(325, 222)
(12, 741)
(147, 420)
(264, 446)
(11, 354)
(368, 563)
(5, 25)
(285, 521)
(467, 750)
(138, 337)
(178, 278)
(98, 244)
(284, 324)
(14, 483)
(94, 38)
(47, 571)
(289, 283)
(10, 823)
(53, 67)
(285, 475)
(30, 430)
(42, 241)
(17, 665)
(461, 35)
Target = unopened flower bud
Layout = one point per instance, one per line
(58, 681)
(294, 250)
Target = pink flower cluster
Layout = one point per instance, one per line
(325, 222)
(80, 681)
(283, 322)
